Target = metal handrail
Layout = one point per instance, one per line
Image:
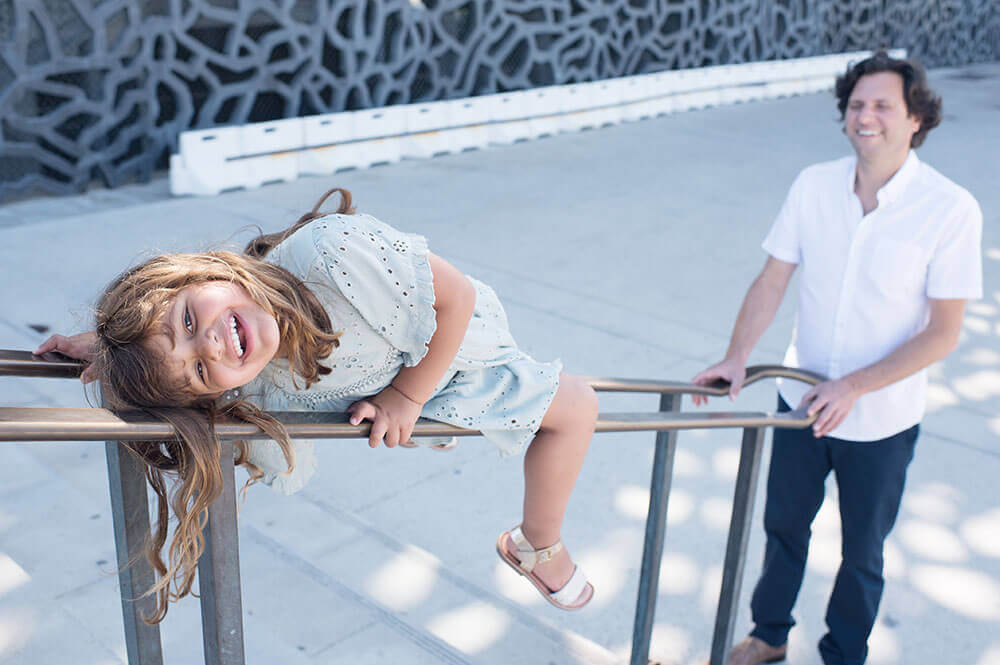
(49, 365)
(219, 565)
(94, 424)
(55, 365)
(754, 373)
(66, 424)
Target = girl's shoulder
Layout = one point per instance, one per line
(336, 232)
(382, 273)
(337, 228)
(296, 253)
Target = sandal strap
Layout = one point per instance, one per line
(527, 555)
(572, 589)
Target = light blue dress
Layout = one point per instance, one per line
(375, 282)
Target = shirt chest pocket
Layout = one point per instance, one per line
(897, 269)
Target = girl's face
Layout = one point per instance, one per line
(221, 338)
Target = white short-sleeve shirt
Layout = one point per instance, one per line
(865, 280)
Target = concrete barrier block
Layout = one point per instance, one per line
(181, 181)
(427, 129)
(548, 108)
(510, 119)
(210, 159)
(382, 133)
(684, 80)
(270, 151)
(658, 100)
(385, 121)
(328, 146)
(213, 160)
(634, 91)
(472, 117)
(595, 104)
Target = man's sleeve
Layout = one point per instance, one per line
(956, 269)
(782, 242)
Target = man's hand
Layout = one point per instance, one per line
(730, 369)
(832, 400)
(79, 347)
(393, 416)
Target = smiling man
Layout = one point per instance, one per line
(889, 251)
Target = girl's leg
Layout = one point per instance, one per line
(551, 465)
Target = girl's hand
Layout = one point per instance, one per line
(393, 416)
(80, 347)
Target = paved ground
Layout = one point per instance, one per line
(625, 252)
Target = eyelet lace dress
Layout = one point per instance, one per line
(375, 282)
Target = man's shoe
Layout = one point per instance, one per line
(753, 651)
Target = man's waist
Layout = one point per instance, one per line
(875, 415)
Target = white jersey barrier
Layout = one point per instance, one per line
(213, 160)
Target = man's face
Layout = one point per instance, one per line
(876, 120)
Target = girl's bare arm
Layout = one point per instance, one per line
(454, 301)
(395, 410)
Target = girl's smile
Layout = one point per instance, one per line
(216, 337)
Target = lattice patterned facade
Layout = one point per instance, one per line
(100, 89)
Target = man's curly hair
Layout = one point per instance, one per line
(921, 102)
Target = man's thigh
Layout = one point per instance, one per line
(871, 477)
(799, 466)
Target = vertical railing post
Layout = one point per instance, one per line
(130, 518)
(656, 524)
(219, 573)
(736, 545)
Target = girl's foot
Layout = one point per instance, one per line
(549, 569)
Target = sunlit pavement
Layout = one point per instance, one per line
(624, 252)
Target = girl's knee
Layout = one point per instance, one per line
(587, 398)
(575, 404)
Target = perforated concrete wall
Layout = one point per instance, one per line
(100, 89)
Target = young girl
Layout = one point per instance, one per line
(339, 312)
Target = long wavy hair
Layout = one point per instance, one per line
(130, 371)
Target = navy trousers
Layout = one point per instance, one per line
(870, 477)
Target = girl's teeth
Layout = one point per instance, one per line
(235, 336)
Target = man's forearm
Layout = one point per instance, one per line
(834, 399)
(759, 308)
(926, 348)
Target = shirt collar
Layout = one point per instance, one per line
(897, 183)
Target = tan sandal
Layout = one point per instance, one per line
(528, 557)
